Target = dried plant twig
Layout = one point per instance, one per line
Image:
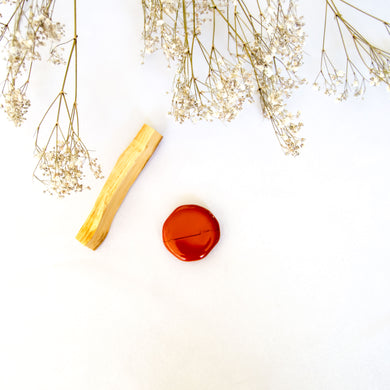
(259, 57)
(62, 157)
(364, 62)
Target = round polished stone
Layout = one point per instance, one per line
(190, 232)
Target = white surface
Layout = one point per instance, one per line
(295, 295)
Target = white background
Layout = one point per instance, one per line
(294, 296)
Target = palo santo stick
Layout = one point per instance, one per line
(126, 170)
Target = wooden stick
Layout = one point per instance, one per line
(126, 170)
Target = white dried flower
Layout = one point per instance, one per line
(63, 156)
(209, 84)
(61, 168)
(16, 105)
(364, 61)
(29, 28)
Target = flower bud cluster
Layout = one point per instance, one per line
(61, 168)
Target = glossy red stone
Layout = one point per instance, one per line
(190, 232)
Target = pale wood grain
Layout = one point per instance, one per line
(123, 175)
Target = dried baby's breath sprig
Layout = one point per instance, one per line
(258, 56)
(365, 63)
(62, 158)
(28, 27)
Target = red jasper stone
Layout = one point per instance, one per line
(190, 232)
